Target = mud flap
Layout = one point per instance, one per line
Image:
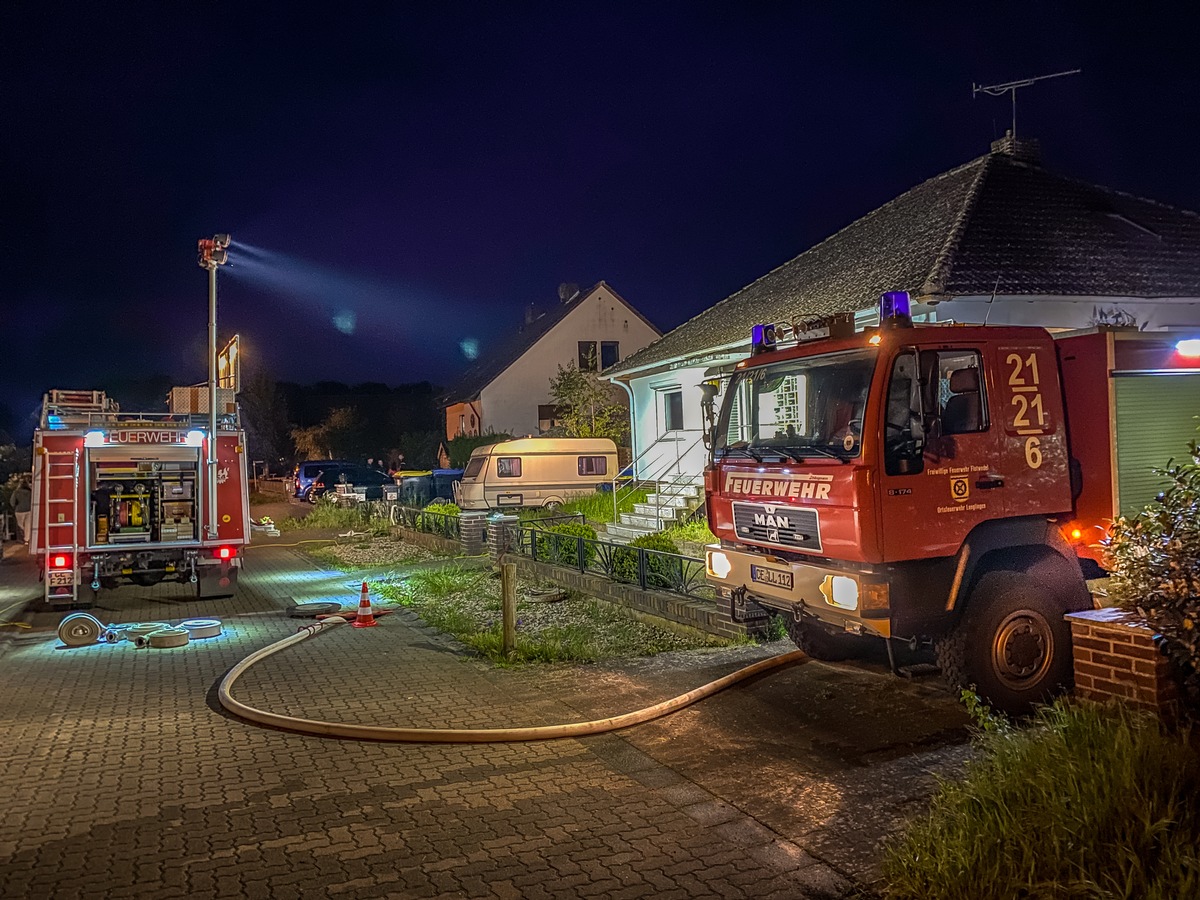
(216, 581)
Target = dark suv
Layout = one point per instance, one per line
(307, 471)
(365, 480)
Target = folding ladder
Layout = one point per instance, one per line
(60, 514)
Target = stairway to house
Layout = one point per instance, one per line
(672, 501)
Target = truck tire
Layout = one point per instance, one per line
(1012, 645)
(821, 644)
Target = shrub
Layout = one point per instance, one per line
(564, 550)
(1091, 801)
(661, 571)
(1155, 561)
(437, 522)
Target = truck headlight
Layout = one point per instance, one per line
(840, 591)
(718, 563)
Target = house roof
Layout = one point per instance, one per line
(512, 347)
(998, 224)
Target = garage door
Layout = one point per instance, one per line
(1156, 418)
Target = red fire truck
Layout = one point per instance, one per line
(939, 484)
(127, 497)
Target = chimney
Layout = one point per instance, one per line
(1028, 150)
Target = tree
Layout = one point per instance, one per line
(338, 437)
(588, 406)
(264, 416)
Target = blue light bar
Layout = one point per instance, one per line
(895, 307)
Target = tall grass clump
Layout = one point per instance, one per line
(693, 532)
(1089, 801)
(328, 514)
(598, 506)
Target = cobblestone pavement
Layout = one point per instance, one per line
(126, 778)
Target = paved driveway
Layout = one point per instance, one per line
(124, 776)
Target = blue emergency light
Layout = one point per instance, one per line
(762, 337)
(895, 309)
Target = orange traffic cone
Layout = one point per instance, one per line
(366, 616)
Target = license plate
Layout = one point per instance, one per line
(60, 579)
(773, 577)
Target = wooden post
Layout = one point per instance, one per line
(508, 593)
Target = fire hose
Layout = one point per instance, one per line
(396, 734)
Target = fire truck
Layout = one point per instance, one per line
(945, 485)
(123, 497)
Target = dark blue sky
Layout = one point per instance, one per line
(418, 173)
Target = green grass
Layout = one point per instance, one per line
(327, 514)
(1085, 802)
(596, 507)
(466, 604)
(694, 532)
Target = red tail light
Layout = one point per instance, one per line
(224, 552)
(60, 561)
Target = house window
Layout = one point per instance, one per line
(593, 465)
(610, 353)
(508, 467)
(548, 415)
(462, 423)
(673, 411)
(587, 356)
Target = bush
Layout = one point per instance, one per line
(563, 550)
(437, 522)
(1091, 801)
(1155, 561)
(661, 571)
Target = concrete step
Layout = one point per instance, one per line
(667, 512)
(649, 523)
(681, 489)
(623, 534)
(667, 500)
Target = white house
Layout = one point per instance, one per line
(508, 389)
(998, 240)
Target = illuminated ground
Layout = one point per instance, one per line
(126, 778)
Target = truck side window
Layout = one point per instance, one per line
(903, 429)
(508, 467)
(960, 403)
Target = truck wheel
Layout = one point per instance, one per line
(1012, 644)
(824, 645)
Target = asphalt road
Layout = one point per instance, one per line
(125, 777)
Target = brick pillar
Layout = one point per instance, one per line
(501, 534)
(472, 531)
(1117, 655)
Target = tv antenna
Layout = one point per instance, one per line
(1010, 87)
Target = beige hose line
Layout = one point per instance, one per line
(469, 735)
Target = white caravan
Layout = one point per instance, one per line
(535, 472)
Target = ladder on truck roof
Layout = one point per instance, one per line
(60, 515)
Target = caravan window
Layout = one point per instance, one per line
(508, 467)
(474, 466)
(593, 465)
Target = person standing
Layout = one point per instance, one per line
(22, 504)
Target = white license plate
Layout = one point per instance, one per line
(773, 577)
(60, 579)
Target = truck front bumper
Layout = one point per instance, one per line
(844, 598)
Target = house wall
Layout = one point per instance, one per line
(512, 399)
(1068, 312)
(459, 419)
(660, 453)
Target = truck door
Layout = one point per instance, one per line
(943, 472)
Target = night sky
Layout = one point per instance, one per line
(401, 180)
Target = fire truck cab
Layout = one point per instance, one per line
(942, 483)
(128, 497)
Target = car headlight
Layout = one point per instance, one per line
(840, 591)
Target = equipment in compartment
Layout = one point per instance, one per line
(144, 502)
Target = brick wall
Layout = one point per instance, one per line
(1117, 655)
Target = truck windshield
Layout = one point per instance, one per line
(797, 409)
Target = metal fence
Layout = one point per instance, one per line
(654, 570)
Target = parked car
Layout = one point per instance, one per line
(367, 481)
(306, 472)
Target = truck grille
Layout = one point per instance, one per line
(792, 527)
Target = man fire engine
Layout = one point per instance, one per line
(940, 483)
(125, 497)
